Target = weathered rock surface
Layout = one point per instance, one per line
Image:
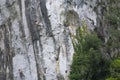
(35, 36)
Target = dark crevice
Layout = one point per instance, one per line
(33, 28)
(31, 18)
(45, 17)
(8, 4)
(39, 70)
(22, 29)
(8, 55)
(20, 6)
(2, 62)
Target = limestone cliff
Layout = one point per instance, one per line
(35, 36)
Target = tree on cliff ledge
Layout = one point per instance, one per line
(88, 63)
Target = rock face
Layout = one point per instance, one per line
(35, 37)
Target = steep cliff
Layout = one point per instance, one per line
(35, 36)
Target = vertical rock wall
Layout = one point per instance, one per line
(35, 37)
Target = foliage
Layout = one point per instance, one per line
(113, 21)
(88, 63)
(116, 63)
(115, 70)
(111, 78)
(113, 43)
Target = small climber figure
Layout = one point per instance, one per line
(22, 76)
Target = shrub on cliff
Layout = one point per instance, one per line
(88, 63)
(115, 70)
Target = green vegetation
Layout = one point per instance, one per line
(88, 63)
(113, 23)
(115, 70)
(111, 78)
(113, 43)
